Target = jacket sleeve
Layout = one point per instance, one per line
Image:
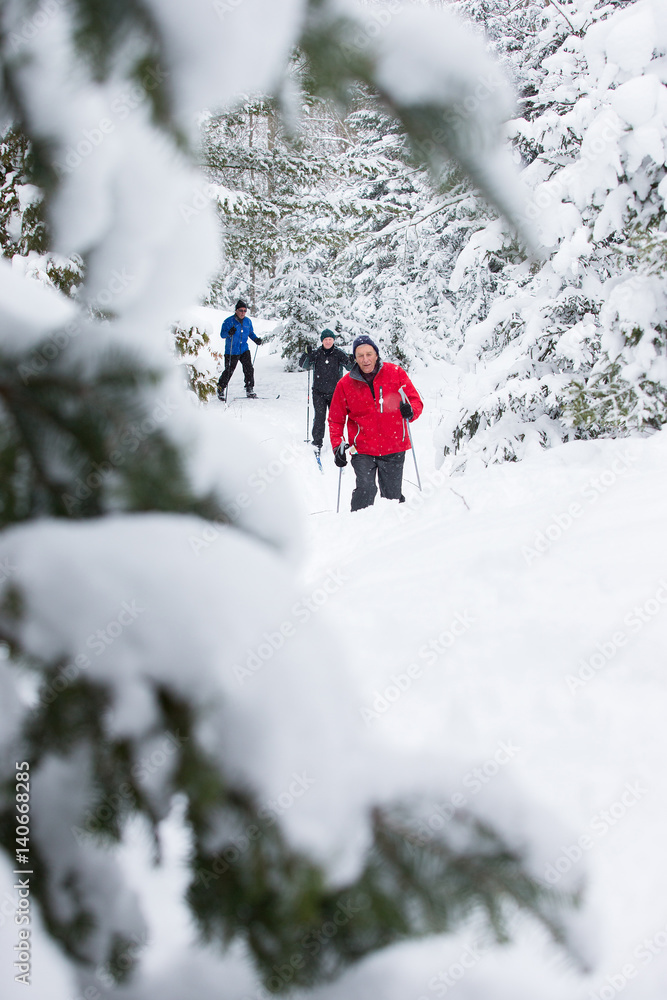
(337, 415)
(306, 361)
(227, 328)
(346, 360)
(412, 394)
(251, 332)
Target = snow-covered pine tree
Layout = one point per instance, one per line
(126, 612)
(307, 301)
(570, 343)
(286, 209)
(23, 229)
(246, 171)
(279, 227)
(194, 344)
(407, 230)
(22, 226)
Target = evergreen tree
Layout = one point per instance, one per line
(120, 627)
(194, 345)
(408, 228)
(270, 185)
(23, 227)
(306, 301)
(563, 345)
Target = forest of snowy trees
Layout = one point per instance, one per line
(329, 219)
(480, 186)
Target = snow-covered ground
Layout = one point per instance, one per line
(501, 633)
(531, 601)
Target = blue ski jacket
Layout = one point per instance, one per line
(235, 333)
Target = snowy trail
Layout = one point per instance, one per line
(541, 588)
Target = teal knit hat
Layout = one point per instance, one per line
(327, 333)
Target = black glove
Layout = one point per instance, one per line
(258, 340)
(340, 458)
(306, 357)
(406, 410)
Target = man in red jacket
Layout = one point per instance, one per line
(377, 399)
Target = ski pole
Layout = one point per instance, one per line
(255, 356)
(342, 448)
(308, 410)
(407, 424)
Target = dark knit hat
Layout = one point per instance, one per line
(363, 339)
(241, 304)
(327, 333)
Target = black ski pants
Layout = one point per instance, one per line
(389, 471)
(231, 361)
(321, 403)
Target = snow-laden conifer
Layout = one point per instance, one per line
(148, 547)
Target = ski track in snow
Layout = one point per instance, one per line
(549, 569)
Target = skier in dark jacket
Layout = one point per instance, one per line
(376, 401)
(327, 363)
(235, 332)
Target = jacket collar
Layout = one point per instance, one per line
(355, 372)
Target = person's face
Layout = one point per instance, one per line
(366, 357)
(241, 311)
(327, 343)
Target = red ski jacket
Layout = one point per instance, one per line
(374, 422)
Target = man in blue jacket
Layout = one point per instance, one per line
(235, 332)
